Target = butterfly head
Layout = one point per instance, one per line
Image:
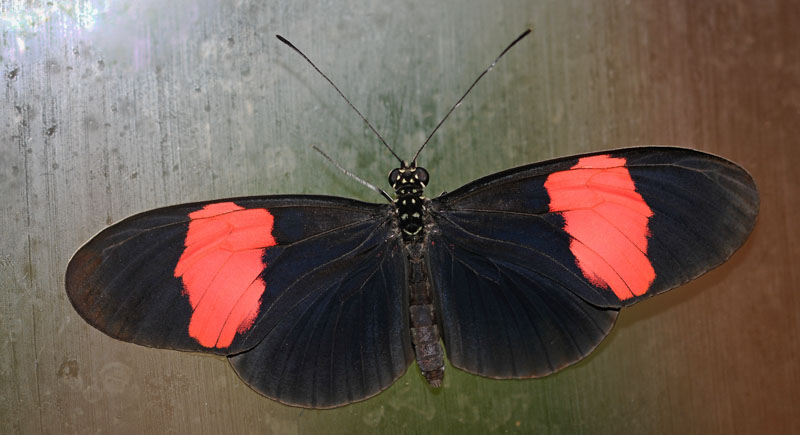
(408, 179)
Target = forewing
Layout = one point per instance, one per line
(228, 276)
(530, 264)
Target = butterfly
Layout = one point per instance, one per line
(321, 301)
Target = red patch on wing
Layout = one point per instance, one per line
(221, 270)
(608, 221)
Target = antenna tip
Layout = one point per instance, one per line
(524, 34)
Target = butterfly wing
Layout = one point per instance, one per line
(305, 294)
(530, 265)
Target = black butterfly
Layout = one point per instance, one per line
(321, 301)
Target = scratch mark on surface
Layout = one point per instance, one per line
(36, 367)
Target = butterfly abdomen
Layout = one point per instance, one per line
(424, 327)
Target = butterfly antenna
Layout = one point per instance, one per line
(285, 41)
(354, 176)
(524, 34)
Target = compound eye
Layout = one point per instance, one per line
(422, 175)
(394, 176)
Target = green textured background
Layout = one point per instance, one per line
(151, 103)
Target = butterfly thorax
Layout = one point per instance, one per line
(408, 183)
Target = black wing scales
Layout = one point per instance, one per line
(330, 320)
(344, 338)
(525, 286)
(501, 318)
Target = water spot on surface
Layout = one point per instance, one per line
(68, 369)
(373, 418)
(90, 124)
(115, 377)
(53, 67)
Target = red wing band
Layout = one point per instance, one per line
(221, 270)
(608, 222)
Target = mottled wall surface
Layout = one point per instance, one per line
(113, 107)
